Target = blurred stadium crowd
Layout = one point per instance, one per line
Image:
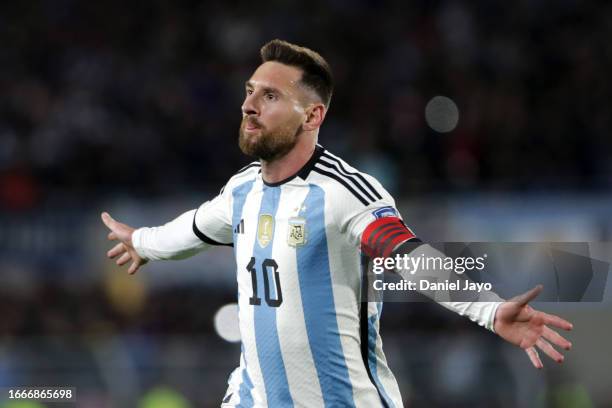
(128, 105)
(99, 96)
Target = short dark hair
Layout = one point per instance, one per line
(316, 73)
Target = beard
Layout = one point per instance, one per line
(267, 144)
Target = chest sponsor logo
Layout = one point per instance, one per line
(296, 235)
(265, 230)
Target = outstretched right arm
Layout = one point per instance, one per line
(185, 236)
(174, 240)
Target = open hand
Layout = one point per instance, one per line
(125, 248)
(523, 326)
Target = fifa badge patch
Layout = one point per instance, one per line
(265, 230)
(385, 212)
(296, 235)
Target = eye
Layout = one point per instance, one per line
(249, 91)
(270, 96)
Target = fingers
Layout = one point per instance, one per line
(134, 267)
(528, 296)
(108, 220)
(111, 224)
(534, 357)
(556, 338)
(549, 350)
(556, 321)
(121, 248)
(137, 262)
(116, 250)
(125, 258)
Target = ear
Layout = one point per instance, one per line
(315, 114)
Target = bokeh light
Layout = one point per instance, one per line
(226, 323)
(442, 114)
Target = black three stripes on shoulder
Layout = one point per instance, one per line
(331, 167)
(326, 155)
(343, 182)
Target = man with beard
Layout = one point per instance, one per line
(299, 219)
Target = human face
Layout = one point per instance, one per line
(272, 111)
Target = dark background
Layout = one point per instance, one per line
(134, 107)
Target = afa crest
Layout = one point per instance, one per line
(296, 234)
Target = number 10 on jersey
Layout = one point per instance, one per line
(268, 266)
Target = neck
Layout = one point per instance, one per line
(284, 167)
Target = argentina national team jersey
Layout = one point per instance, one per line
(307, 340)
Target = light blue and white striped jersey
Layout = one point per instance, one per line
(307, 340)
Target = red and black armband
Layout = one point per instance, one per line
(382, 236)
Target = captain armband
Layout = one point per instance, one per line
(384, 235)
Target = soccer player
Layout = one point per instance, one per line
(298, 220)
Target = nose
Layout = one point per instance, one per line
(249, 107)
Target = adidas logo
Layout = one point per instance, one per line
(240, 227)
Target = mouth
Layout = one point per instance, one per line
(251, 127)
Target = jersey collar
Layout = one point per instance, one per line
(304, 171)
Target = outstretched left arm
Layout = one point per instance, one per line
(513, 320)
